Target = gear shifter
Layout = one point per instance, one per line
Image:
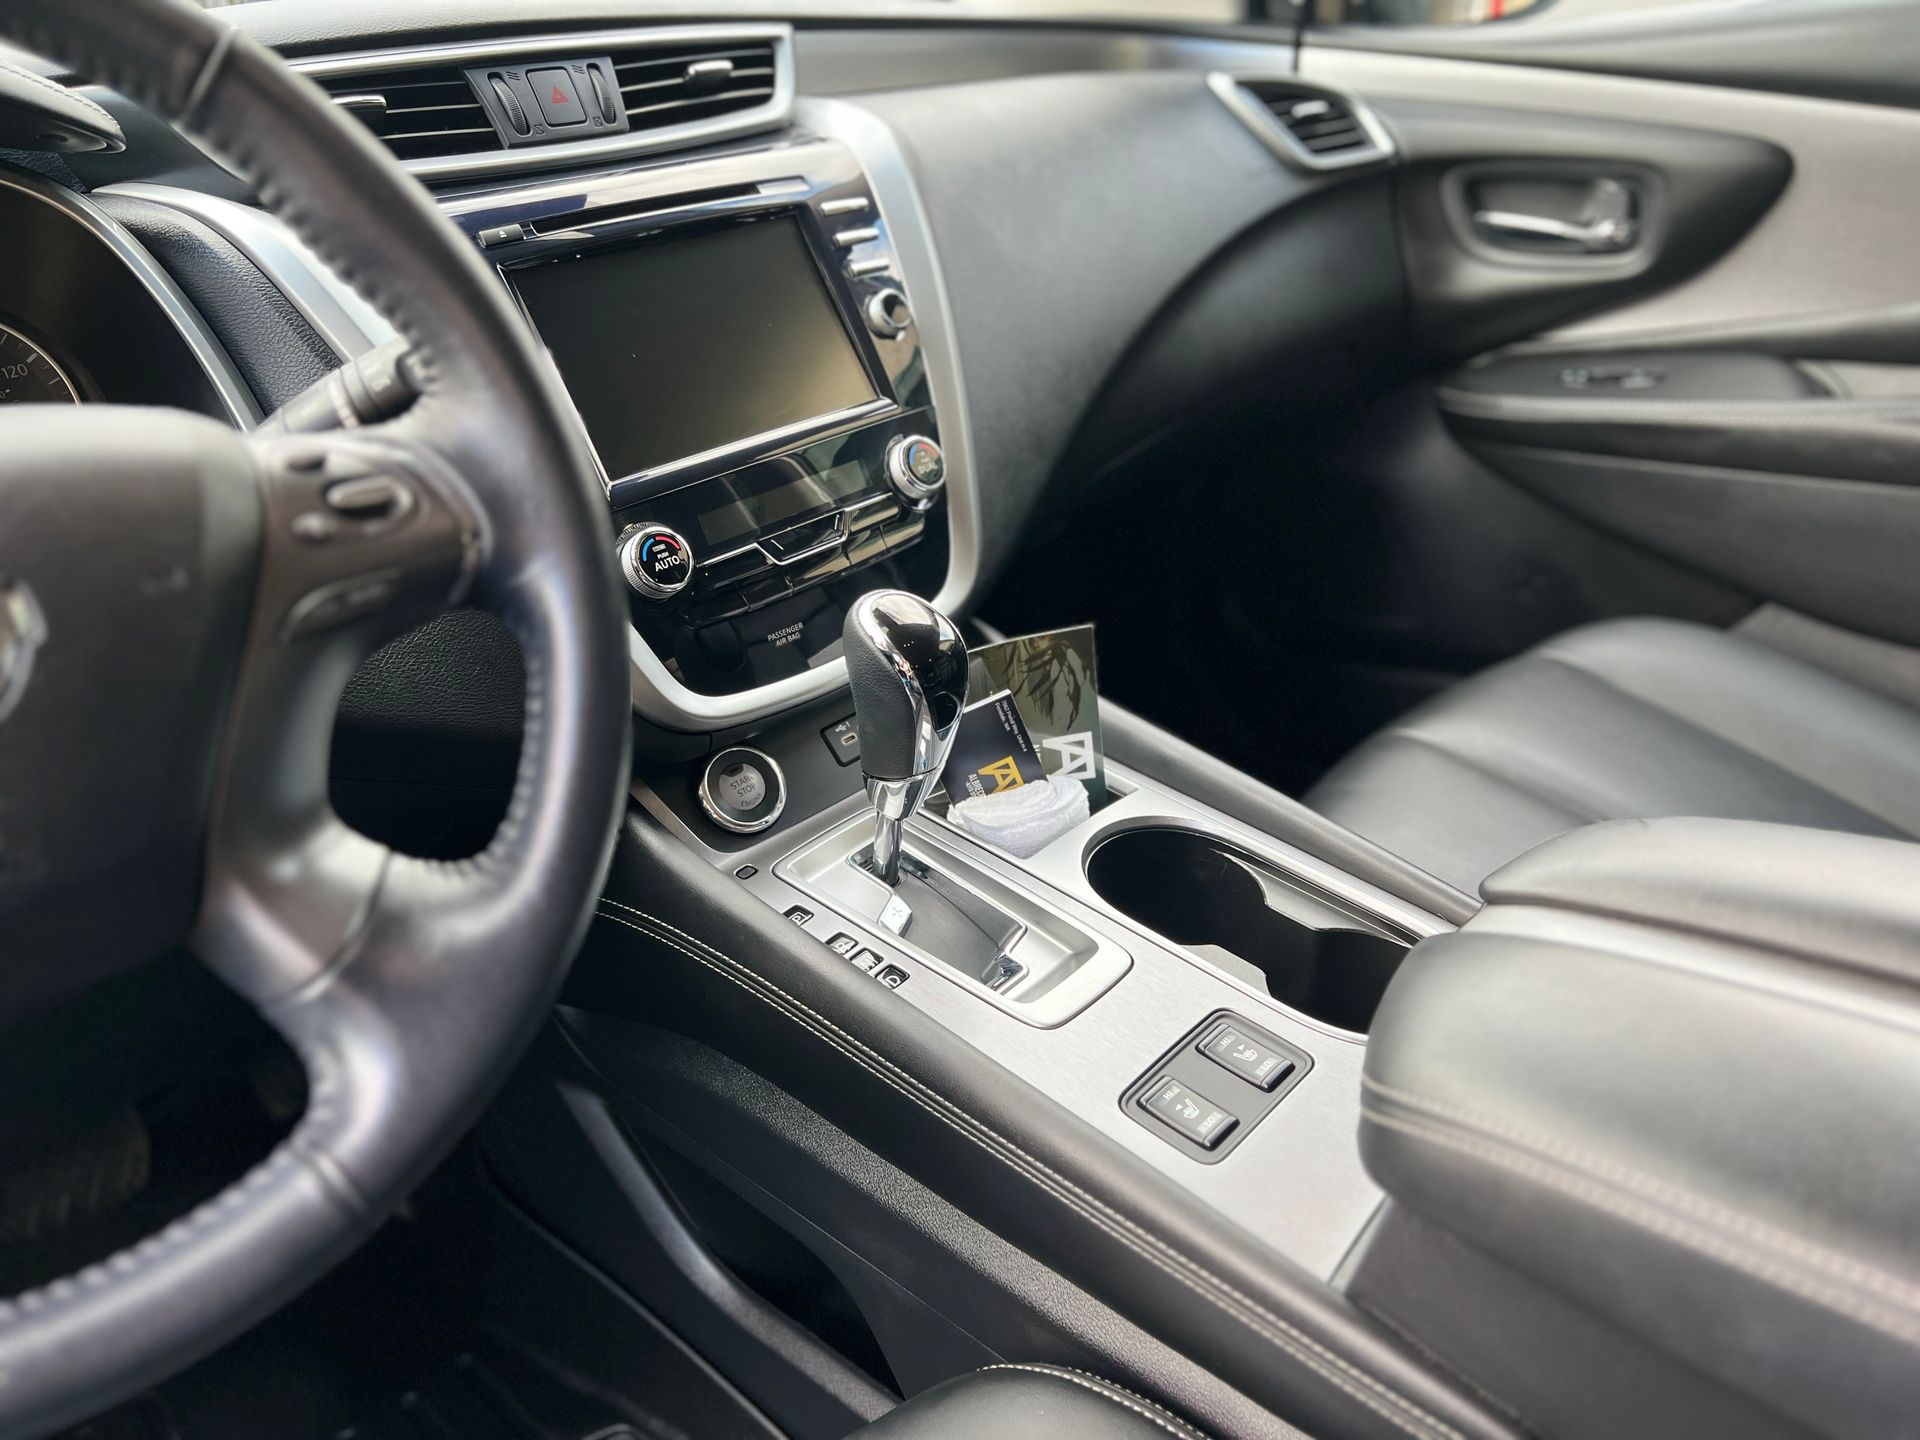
(908, 667)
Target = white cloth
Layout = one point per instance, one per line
(1024, 820)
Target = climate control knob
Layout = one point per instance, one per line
(657, 561)
(916, 469)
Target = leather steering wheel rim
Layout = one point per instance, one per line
(406, 987)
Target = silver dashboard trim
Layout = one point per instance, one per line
(235, 398)
(768, 115)
(348, 324)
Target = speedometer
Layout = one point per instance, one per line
(30, 376)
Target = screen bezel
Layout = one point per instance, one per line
(670, 475)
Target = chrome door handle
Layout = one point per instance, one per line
(1602, 235)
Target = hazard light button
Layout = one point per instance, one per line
(559, 100)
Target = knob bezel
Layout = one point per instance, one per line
(644, 584)
(919, 494)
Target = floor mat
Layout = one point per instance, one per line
(459, 1321)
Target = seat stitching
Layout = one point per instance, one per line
(1644, 1215)
(1170, 1424)
(1249, 1312)
(1841, 1267)
(1719, 737)
(1102, 1380)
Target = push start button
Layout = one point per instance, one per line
(742, 790)
(657, 561)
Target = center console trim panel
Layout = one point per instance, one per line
(1296, 1180)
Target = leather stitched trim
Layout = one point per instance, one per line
(1399, 1411)
(1105, 1389)
(1841, 1283)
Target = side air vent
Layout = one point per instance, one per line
(672, 84)
(1304, 124)
(465, 110)
(423, 112)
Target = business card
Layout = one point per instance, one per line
(992, 751)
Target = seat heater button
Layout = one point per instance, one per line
(1257, 1064)
(559, 100)
(1190, 1114)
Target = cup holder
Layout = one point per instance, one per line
(1311, 953)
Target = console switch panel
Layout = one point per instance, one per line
(1206, 1094)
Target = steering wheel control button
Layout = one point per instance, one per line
(314, 527)
(657, 561)
(844, 741)
(370, 499)
(557, 96)
(888, 315)
(916, 469)
(1233, 1049)
(743, 791)
(336, 604)
(1189, 1113)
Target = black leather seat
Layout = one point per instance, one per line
(1629, 719)
(1028, 1402)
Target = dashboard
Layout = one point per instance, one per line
(793, 279)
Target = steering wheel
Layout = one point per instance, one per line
(180, 608)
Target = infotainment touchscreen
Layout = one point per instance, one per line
(678, 347)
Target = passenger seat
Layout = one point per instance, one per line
(1622, 720)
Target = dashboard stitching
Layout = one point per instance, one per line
(1248, 1311)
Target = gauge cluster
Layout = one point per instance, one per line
(29, 375)
(86, 314)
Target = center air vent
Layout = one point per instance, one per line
(1305, 124)
(422, 112)
(671, 84)
(462, 110)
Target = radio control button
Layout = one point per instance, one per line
(728, 571)
(797, 543)
(559, 101)
(657, 561)
(916, 469)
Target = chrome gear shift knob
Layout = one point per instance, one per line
(908, 668)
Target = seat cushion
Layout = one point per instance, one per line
(1028, 1402)
(1629, 719)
